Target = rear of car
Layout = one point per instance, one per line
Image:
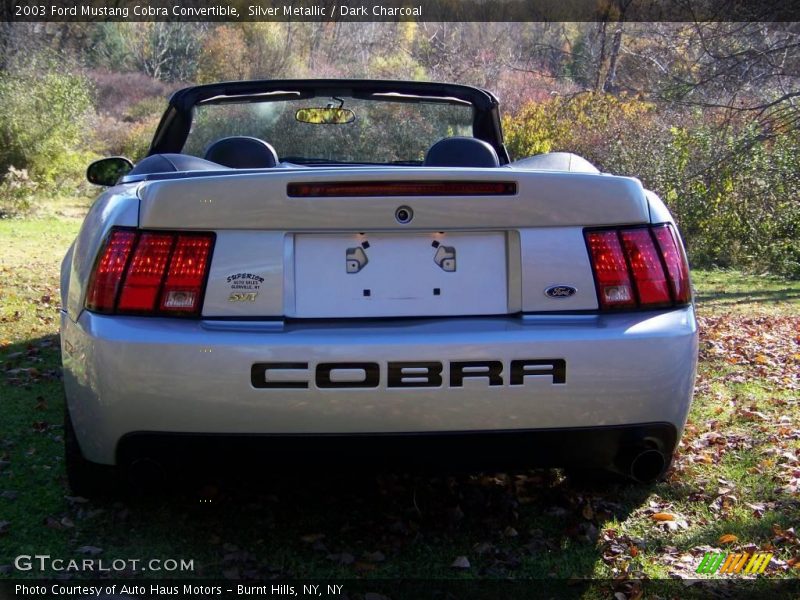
(496, 315)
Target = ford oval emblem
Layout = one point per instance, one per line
(560, 291)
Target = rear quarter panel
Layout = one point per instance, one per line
(116, 206)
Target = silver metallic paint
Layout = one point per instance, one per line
(260, 201)
(125, 374)
(116, 206)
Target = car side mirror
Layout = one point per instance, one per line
(107, 171)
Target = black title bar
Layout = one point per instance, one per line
(399, 10)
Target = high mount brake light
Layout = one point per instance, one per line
(402, 188)
(151, 273)
(638, 267)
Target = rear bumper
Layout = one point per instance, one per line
(133, 375)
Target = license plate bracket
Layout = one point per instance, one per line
(400, 274)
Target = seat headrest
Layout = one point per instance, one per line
(240, 152)
(461, 152)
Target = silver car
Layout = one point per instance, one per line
(321, 269)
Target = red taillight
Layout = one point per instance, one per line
(675, 259)
(109, 270)
(151, 273)
(648, 273)
(187, 274)
(145, 273)
(613, 281)
(639, 267)
(402, 188)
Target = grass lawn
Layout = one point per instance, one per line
(736, 474)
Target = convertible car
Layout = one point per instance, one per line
(354, 272)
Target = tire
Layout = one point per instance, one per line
(85, 478)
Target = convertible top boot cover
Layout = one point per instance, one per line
(172, 163)
(556, 161)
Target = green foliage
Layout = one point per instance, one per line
(564, 123)
(734, 194)
(136, 141)
(397, 66)
(109, 47)
(147, 108)
(44, 122)
(738, 197)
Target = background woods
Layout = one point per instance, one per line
(706, 115)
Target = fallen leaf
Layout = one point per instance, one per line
(728, 538)
(662, 516)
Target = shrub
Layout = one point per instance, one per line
(130, 106)
(588, 122)
(117, 93)
(16, 193)
(734, 194)
(44, 122)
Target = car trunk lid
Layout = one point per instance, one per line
(368, 242)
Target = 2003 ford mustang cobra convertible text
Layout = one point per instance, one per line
(305, 269)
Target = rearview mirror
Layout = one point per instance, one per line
(107, 171)
(325, 116)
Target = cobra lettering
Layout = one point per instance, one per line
(410, 374)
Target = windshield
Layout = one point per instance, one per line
(382, 132)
